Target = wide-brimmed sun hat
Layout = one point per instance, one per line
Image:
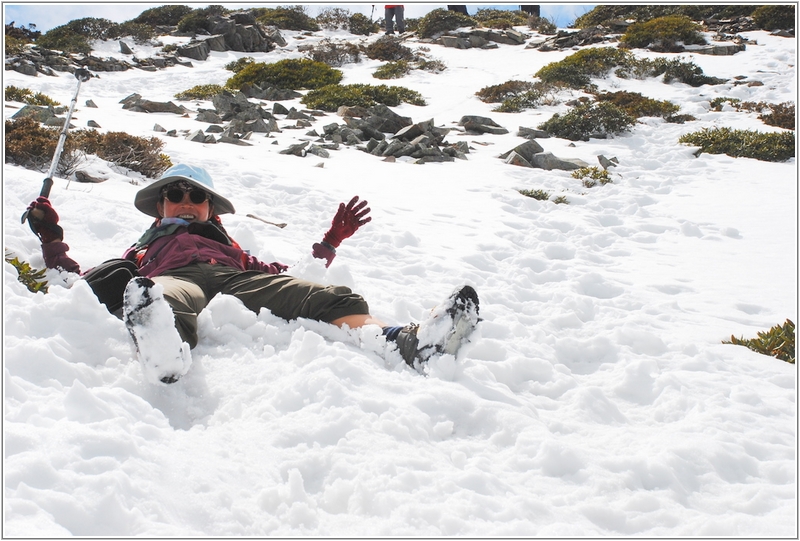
(147, 198)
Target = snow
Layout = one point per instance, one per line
(595, 399)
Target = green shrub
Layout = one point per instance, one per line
(561, 200)
(775, 17)
(602, 14)
(162, 15)
(140, 33)
(335, 53)
(664, 33)
(439, 21)
(25, 95)
(333, 19)
(200, 92)
(388, 49)
(32, 279)
(16, 37)
(539, 195)
(197, 20)
(436, 66)
(500, 18)
(527, 100)
(672, 70)
(777, 342)
(360, 25)
(287, 18)
(576, 70)
(392, 70)
(331, 97)
(637, 105)
(503, 91)
(589, 120)
(412, 24)
(292, 73)
(770, 147)
(239, 64)
(591, 176)
(717, 103)
(542, 25)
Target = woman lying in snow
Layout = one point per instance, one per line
(186, 258)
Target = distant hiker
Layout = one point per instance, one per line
(458, 9)
(394, 11)
(186, 257)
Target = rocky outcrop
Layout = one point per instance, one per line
(581, 38)
(233, 32)
(483, 38)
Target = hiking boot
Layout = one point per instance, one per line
(446, 329)
(151, 324)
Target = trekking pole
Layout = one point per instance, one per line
(372, 13)
(82, 75)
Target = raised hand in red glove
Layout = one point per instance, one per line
(346, 222)
(43, 220)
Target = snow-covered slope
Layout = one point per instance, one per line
(596, 398)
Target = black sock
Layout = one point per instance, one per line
(391, 332)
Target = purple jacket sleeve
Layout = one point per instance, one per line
(55, 256)
(251, 263)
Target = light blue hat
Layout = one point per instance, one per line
(148, 197)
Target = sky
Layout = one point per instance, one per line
(46, 16)
(595, 400)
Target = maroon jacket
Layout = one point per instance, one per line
(163, 248)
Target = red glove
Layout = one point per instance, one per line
(347, 220)
(43, 219)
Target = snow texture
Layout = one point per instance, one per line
(595, 399)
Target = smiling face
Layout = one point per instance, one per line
(185, 208)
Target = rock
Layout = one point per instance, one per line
(515, 159)
(296, 150)
(83, 176)
(605, 162)
(159, 128)
(40, 114)
(92, 124)
(198, 50)
(527, 150)
(124, 48)
(546, 160)
(90, 103)
(233, 141)
(531, 133)
(278, 109)
(319, 151)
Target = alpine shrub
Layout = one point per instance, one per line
(200, 92)
(388, 50)
(637, 105)
(197, 21)
(683, 72)
(31, 145)
(335, 53)
(503, 91)
(291, 73)
(589, 120)
(602, 14)
(333, 19)
(25, 95)
(140, 33)
(331, 97)
(769, 147)
(542, 25)
(501, 19)
(435, 66)
(539, 195)
(139, 154)
(781, 115)
(439, 21)
(239, 64)
(664, 33)
(576, 70)
(592, 176)
(775, 16)
(361, 25)
(32, 279)
(163, 15)
(287, 18)
(777, 342)
(392, 70)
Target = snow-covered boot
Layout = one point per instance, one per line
(448, 326)
(151, 324)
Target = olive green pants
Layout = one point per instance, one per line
(189, 289)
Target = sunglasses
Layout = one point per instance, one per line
(175, 195)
